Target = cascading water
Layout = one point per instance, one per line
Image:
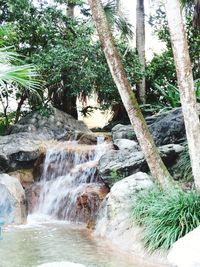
(68, 181)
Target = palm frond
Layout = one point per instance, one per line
(23, 76)
(116, 19)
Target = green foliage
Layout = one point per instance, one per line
(65, 51)
(166, 216)
(118, 22)
(193, 37)
(15, 77)
(4, 122)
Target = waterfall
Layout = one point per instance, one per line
(69, 181)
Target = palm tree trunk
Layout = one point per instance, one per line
(140, 47)
(186, 84)
(156, 165)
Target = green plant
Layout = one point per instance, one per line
(3, 122)
(115, 176)
(166, 216)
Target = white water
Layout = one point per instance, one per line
(68, 170)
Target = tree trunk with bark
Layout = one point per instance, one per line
(140, 47)
(186, 84)
(155, 163)
(19, 107)
(70, 9)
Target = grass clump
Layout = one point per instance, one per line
(166, 216)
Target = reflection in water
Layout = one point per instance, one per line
(37, 244)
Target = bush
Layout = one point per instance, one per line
(166, 216)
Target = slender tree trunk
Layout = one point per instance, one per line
(70, 9)
(140, 47)
(19, 106)
(196, 15)
(156, 165)
(186, 84)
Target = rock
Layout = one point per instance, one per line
(88, 139)
(169, 128)
(185, 251)
(116, 208)
(86, 202)
(61, 264)
(114, 216)
(22, 146)
(126, 144)
(89, 200)
(18, 151)
(166, 128)
(12, 201)
(117, 164)
(120, 131)
(94, 138)
(32, 196)
(53, 125)
(24, 176)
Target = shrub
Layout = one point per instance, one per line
(166, 216)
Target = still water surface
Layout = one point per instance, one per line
(33, 245)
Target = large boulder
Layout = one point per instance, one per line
(114, 217)
(115, 211)
(126, 144)
(185, 252)
(22, 146)
(18, 151)
(12, 200)
(117, 164)
(53, 125)
(166, 128)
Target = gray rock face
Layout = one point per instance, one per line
(21, 147)
(166, 128)
(117, 164)
(126, 144)
(18, 150)
(116, 207)
(185, 251)
(54, 125)
(12, 200)
(121, 131)
(114, 218)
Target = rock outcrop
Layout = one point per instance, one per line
(185, 251)
(114, 218)
(166, 128)
(53, 125)
(21, 147)
(115, 211)
(12, 200)
(117, 164)
(18, 150)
